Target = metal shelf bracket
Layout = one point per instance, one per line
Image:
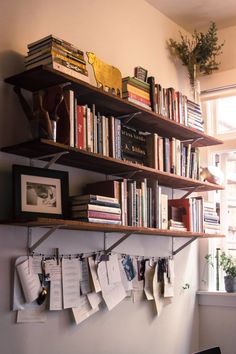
(174, 252)
(107, 251)
(193, 189)
(54, 158)
(42, 239)
(128, 117)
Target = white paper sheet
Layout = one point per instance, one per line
(113, 293)
(94, 299)
(35, 315)
(56, 291)
(113, 269)
(53, 269)
(157, 289)
(85, 285)
(36, 264)
(29, 281)
(138, 285)
(169, 280)
(84, 310)
(93, 270)
(70, 282)
(148, 283)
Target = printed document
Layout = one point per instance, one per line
(70, 282)
(30, 282)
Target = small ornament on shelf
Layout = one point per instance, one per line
(140, 73)
(107, 76)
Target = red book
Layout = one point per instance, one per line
(80, 127)
(184, 211)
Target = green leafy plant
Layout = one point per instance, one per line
(226, 262)
(199, 52)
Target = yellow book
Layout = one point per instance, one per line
(137, 91)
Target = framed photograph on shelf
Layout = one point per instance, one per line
(39, 192)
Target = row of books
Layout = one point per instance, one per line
(69, 59)
(142, 204)
(91, 131)
(58, 54)
(176, 106)
(173, 156)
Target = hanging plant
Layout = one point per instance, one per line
(198, 53)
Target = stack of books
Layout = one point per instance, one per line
(136, 91)
(58, 54)
(194, 116)
(96, 209)
(211, 218)
(176, 225)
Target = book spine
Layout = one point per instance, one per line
(98, 215)
(80, 127)
(52, 39)
(137, 83)
(84, 207)
(136, 97)
(138, 103)
(65, 69)
(99, 221)
(151, 81)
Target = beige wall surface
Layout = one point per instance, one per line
(125, 33)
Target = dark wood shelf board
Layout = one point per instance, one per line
(83, 226)
(105, 165)
(108, 104)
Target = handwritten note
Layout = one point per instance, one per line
(70, 282)
(113, 293)
(94, 275)
(85, 285)
(53, 269)
(84, 310)
(30, 282)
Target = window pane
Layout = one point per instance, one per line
(226, 115)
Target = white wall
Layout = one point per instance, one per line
(124, 33)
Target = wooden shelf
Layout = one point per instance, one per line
(108, 104)
(106, 165)
(85, 226)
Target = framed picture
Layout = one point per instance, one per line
(39, 192)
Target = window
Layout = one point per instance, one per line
(221, 122)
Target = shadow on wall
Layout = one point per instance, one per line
(5, 189)
(14, 127)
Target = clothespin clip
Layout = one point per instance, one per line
(104, 257)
